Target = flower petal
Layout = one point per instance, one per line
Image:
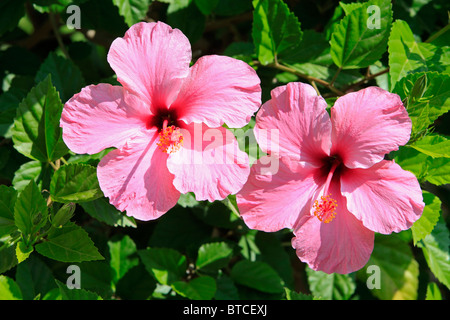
(343, 245)
(277, 193)
(209, 164)
(101, 116)
(367, 125)
(385, 197)
(219, 90)
(294, 123)
(136, 179)
(151, 60)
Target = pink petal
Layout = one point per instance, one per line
(367, 125)
(343, 245)
(219, 90)
(385, 197)
(295, 123)
(136, 179)
(101, 116)
(151, 60)
(273, 201)
(209, 164)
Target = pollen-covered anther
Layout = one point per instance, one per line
(170, 139)
(325, 208)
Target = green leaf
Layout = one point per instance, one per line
(399, 270)
(9, 290)
(213, 256)
(406, 55)
(76, 294)
(355, 43)
(330, 286)
(8, 257)
(69, 244)
(23, 251)
(292, 295)
(257, 275)
(8, 196)
(430, 216)
(165, 265)
(32, 170)
(123, 256)
(431, 104)
(36, 132)
(30, 210)
(201, 288)
(276, 31)
(103, 211)
(75, 183)
(434, 146)
(433, 292)
(435, 248)
(206, 6)
(65, 75)
(34, 278)
(133, 11)
(185, 15)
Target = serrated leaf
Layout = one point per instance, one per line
(213, 256)
(165, 265)
(406, 55)
(332, 286)
(75, 183)
(399, 270)
(292, 295)
(430, 216)
(257, 275)
(201, 288)
(65, 75)
(9, 290)
(30, 210)
(355, 43)
(133, 11)
(36, 132)
(435, 248)
(76, 294)
(433, 102)
(276, 31)
(23, 251)
(69, 244)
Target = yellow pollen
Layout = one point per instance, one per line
(324, 209)
(170, 139)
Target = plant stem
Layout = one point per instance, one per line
(51, 16)
(326, 84)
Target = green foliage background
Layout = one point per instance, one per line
(53, 214)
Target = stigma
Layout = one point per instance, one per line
(170, 138)
(325, 208)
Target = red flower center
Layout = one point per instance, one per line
(170, 138)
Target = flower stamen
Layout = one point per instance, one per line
(170, 138)
(325, 208)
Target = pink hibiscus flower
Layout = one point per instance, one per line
(161, 122)
(333, 187)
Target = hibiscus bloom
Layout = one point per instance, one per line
(333, 187)
(161, 120)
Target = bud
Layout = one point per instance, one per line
(63, 215)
